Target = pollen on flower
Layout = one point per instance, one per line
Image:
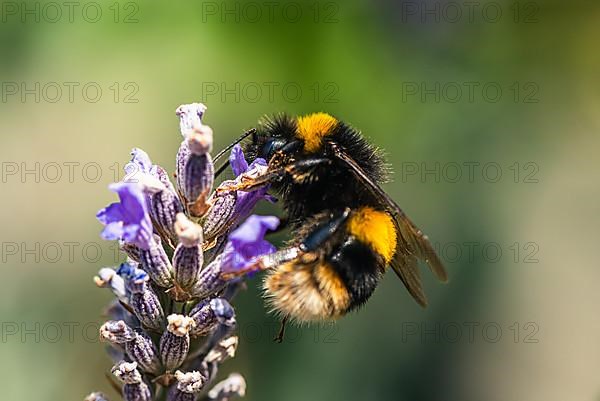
(180, 325)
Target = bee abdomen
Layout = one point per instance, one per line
(360, 269)
(307, 292)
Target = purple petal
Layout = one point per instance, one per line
(133, 201)
(112, 231)
(110, 214)
(254, 229)
(238, 163)
(263, 247)
(258, 162)
(248, 239)
(246, 201)
(129, 219)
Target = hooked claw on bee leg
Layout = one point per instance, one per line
(281, 334)
(246, 184)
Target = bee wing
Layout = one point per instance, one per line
(412, 244)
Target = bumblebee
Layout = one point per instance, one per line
(346, 229)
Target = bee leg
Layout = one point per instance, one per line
(248, 183)
(281, 334)
(323, 232)
(299, 171)
(265, 262)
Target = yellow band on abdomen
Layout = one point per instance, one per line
(376, 229)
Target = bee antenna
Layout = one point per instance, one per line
(251, 131)
(221, 169)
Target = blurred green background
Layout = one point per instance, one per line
(489, 117)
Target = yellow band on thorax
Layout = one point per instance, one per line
(312, 128)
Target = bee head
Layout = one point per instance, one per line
(271, 146)
(273, 134)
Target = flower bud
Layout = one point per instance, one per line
(233, 386)
(209, 280)
(116, 332)
(223, 311)
(220, 216)
(127, 372)
(204, 319)
(175, 341)
(137, 392)
(156, 263)
(134, 389)
(188, 385)
(195, 169)
(183, 155)
(143, 351)
(164, 203)
(208, 314)
(188, 257)
(132, 251)
(198, 178)
(142, 299)
(190, 116)
(138, 346)
(223, 350)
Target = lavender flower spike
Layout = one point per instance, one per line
(127, 220)
(169, 270)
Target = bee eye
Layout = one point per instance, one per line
(272, 146)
